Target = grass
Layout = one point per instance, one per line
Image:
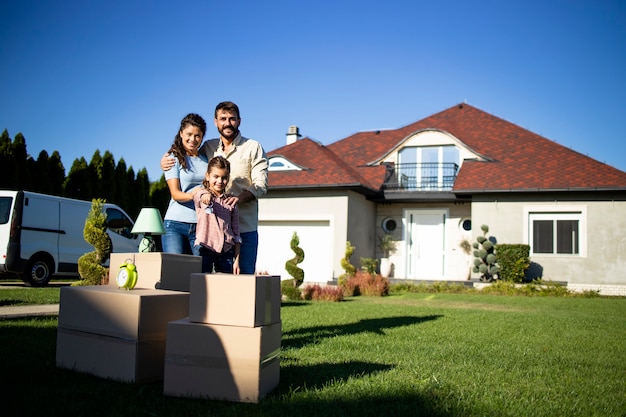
(408, 354)
(25, 296)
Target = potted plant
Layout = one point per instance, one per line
(387, 246)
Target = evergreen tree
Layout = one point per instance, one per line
(95, 174)
(42, 182)
(78, 181)
(20, 156)
(109, 187)
(56, 173)
(123, 190)
(160, 195)
(134, 206)
(142, 188)
(7, 163)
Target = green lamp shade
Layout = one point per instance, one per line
(149, 222)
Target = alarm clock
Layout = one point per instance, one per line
(127, 275)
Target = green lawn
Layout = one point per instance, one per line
(402, 355)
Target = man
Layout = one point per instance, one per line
(248, 177)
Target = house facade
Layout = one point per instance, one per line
(431, 185)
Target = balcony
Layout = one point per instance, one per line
(421, 177)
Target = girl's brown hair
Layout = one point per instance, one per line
(218, 162)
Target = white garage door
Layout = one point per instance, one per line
(315, 241)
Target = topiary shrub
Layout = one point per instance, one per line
(90, 266)
(484, 256)
(346, 265)
(292, 265)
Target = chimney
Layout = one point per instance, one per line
(293, 135)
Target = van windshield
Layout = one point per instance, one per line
(5, 209)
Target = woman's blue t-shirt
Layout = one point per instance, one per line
(189, 179)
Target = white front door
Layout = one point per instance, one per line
(425, 240)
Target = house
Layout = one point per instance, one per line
(432, 184)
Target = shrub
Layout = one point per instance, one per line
(289, 290)
(431, 288)
(536, 288)
(387, 245)
(513, 261)
(316, 292)
(292, 265)
(349, 269)
(484, 256)
(90, 267)
(364, 283)
(369, 265)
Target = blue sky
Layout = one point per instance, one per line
(76, 76)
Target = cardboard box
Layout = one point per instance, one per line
(234, 300)
(219, 362)
(166, 271)
(110, 357)
(115, 333)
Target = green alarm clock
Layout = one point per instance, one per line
(127, 275)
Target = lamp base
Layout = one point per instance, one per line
(147, 244)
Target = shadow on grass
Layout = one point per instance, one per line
(301, 337)
(35, 386)
(312, 377)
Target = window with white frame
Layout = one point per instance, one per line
(428, 167)
(556, 233)
(278, 163)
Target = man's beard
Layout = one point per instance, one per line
(232, 135)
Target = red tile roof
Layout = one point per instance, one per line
(519, 159)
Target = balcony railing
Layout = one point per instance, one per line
(426, 176)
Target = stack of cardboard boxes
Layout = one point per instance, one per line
(228, 348)
(211, 336)
(120, 334)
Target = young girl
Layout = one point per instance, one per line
(217, 231)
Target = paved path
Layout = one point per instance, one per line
(9, 312)
(14, 311)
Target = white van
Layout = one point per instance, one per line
(42, 235)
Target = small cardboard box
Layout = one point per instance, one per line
(115, 333)
(219, 362)
(166, 271)
(234, 300)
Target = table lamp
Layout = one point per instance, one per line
(149, 222)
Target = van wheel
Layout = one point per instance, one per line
(38, 272)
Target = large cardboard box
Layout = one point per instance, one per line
(234, 300)
(166, 271)
(110, 357)
(220, 362)
(114, 333)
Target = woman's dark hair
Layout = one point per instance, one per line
(216, 162)
(177, 147)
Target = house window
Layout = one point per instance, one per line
(278, 163)
(555, 233)
(428, 167)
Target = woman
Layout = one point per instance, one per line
(182, 180)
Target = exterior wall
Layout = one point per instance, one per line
(361, 231)
(457, 262)
(602, 258)
(349, 215)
